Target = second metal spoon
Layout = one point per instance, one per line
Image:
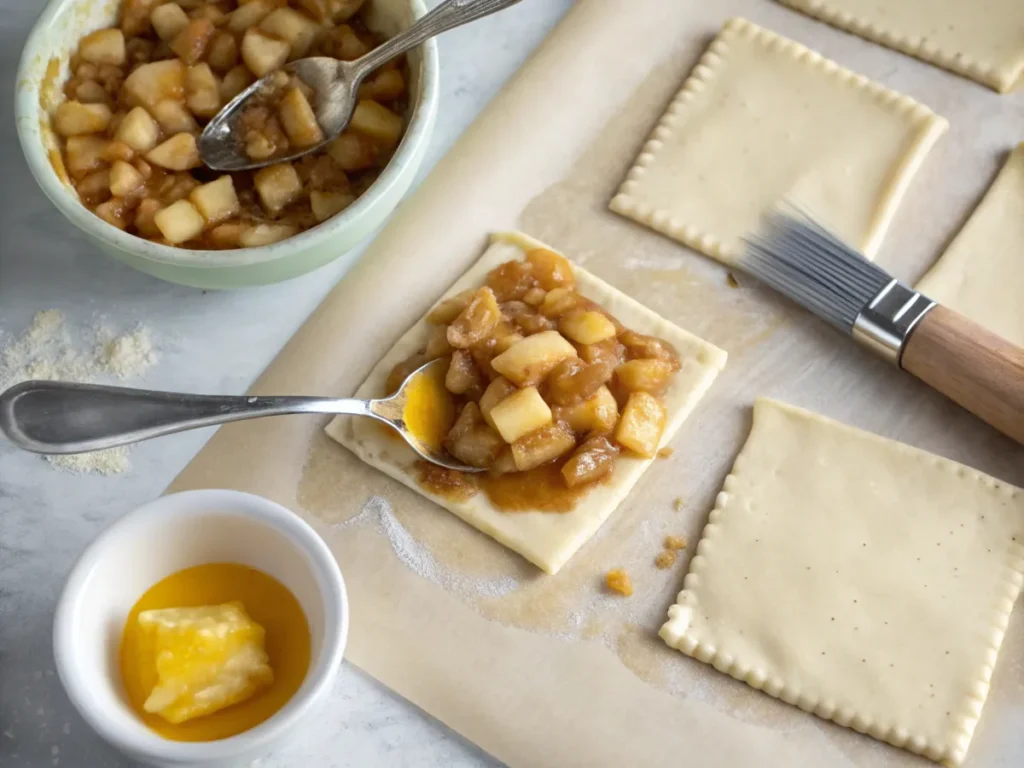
(56, 417)
(335, 84)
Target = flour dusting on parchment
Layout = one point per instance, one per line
(377, 512)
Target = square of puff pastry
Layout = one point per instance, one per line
(762, 118)
(858, 578)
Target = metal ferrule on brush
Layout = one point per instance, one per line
(816, 269)
(884, 325)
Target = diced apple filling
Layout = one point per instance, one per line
(216, 200)
(202, 91)
(263, 54)
(178, 153)
(520, 413)
(168, 20)
(642, 424)
(179, 222)
(104, 46)
(291, 26)
(138, 130)
(277, 185)
(298, 119)
(73, 118)
(529, 361)
(155, 82)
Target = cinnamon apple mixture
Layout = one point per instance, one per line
(140, 92)
(542, 377)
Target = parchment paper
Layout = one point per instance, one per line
(542, 670)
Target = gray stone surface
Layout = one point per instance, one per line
(208, 342)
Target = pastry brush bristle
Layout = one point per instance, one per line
(801, 259)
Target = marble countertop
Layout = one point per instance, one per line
(207, 342)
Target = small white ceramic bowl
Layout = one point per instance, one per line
(156, 540)
(44, 69)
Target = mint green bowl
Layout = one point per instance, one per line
(42, 72)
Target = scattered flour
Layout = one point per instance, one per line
(48, 350)
(377, 512)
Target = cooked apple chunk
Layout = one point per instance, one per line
(593, 460)
(84, 154)
(476, 322)
(168, 20)
(298, 119)
(645, 375)
(216, 200)
(73, 118)
(265, 234)
(641, 425)
(529, 361)
(173, 117)
(223, 53)
(104, 46)
(190, 43)
(383, 86)
(178, 153)
(327, 204)
(138, 130)
(598, 413)
(574, 380)
(179, 222)
(237, 79)
(249, 14)
(520, 413)
(542, 445)
(261, 53)
(277, 185)
(202, 91)
(463, 376)
(155, 82)
(114, 212)
(291, 26)
(551, 270)
(640, 346)
(376, 122)
(472, 441)
(125, 180)
(558, 301)
(586, 326)
(496, 391)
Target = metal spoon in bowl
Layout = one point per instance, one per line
(56, 417)
(335, 85)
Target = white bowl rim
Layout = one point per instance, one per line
(27, 103)
(147, 745)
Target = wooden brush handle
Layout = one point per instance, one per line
(971, 366)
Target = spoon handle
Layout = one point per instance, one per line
(447, 15)
(61, 417)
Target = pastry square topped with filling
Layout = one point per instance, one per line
(560, 387)
(762, 118)
(858, 578)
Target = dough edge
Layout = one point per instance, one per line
(1000, 78)
(707, 361)
(931, 128)
(677, 634)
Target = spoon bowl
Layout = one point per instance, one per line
(335, 85)
(55, 417)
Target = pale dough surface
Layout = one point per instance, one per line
(979, 39)
(762, 118)
(856, 577)
(546, 539)
(981, 274)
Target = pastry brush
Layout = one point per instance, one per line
(971, 366)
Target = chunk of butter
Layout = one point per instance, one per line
(203, 659)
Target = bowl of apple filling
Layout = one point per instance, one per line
(111, 98)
